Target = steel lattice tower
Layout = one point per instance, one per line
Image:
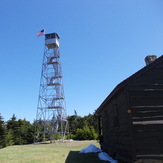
(51, 119)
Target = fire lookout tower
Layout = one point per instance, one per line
(51, 119)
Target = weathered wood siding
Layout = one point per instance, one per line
(146, 103)
(116, 127)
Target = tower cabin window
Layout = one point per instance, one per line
(51, 36)
(115, 116)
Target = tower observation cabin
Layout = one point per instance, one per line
(52, 40)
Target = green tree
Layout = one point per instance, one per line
(79, 134)
(24, 132)
(86, 133)
(74, 123)
(19, 131)
(94, 135)
(86, 126)
(12, 129)
(2, 133)
(9, 137)
(38, 127)
(91, 120)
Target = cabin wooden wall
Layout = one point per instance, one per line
(146, 103)
(116, 126)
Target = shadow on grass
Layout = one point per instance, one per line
(76, 157)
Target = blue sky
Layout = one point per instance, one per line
(102, 42)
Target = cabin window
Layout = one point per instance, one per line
(115, 116)
(106, 119)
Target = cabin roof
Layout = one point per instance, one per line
(127, 81)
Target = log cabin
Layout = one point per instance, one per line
(131, 117)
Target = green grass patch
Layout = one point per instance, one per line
(67, 152)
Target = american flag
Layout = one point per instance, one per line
(40, 33)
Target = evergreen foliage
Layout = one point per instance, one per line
(9, 140)
(18, 132)
(83, 128)
(2, 133)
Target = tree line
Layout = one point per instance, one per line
(20, 131)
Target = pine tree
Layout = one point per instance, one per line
(19, 131)
(9, 137)
(2, 133)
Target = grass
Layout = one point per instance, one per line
(67, 152)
